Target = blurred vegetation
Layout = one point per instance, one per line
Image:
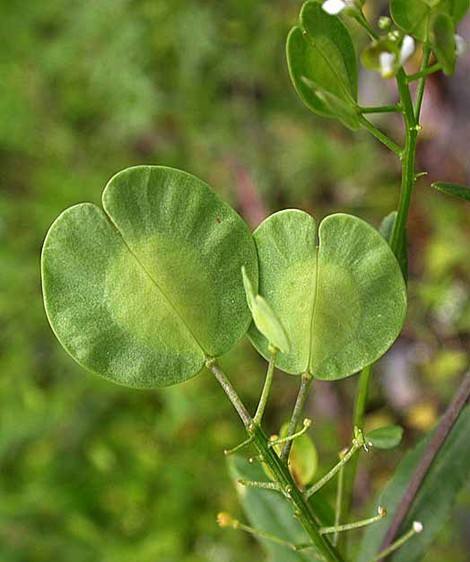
(94, 472)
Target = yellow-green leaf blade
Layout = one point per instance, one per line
(342, 305)
(361, 298)
(286, 245)
(153, 288)
(191, 243)
(105, 310)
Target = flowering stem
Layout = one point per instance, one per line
(301, 508)
(411, 117)
(282, 477)
(408, 163)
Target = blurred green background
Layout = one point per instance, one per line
(94, 472)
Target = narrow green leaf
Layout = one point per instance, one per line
(270, 512)
(461, 191)
(322, 64)
(387, 224)
(385, 437)
(448, 473)
(264, 317)
(144, 291)
(386, 230)
(250, 292)
(342, 304)
(442, 37)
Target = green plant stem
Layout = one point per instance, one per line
(351, 526)
(358, 421)
(262, 535)
(425, 72)
(273, 486)
(266, 389)
(275, 442)
(408, 163)
(395, 546)
(239, 447)
(422, 83)
(380, 136)
(305, 384)
(230, 392)
(279, 470)
(338, 502)
(394, 108)
(361, 399)
(329, 475)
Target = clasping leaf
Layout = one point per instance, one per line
(339, 294)
(148, 288)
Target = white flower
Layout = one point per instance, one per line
(460, 45)
(387, 62)
(334, 7)
(417, 526)
(407, 48)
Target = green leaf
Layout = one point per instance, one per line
(342, 304)
(144, 291)
(461, 191)
(412, 16)
(385, 437)
(322, 65)
(270, 512)
(455, 8)
(387, 224)
(264, 318)
(386, 230)
(442, 37)
(448, 473)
